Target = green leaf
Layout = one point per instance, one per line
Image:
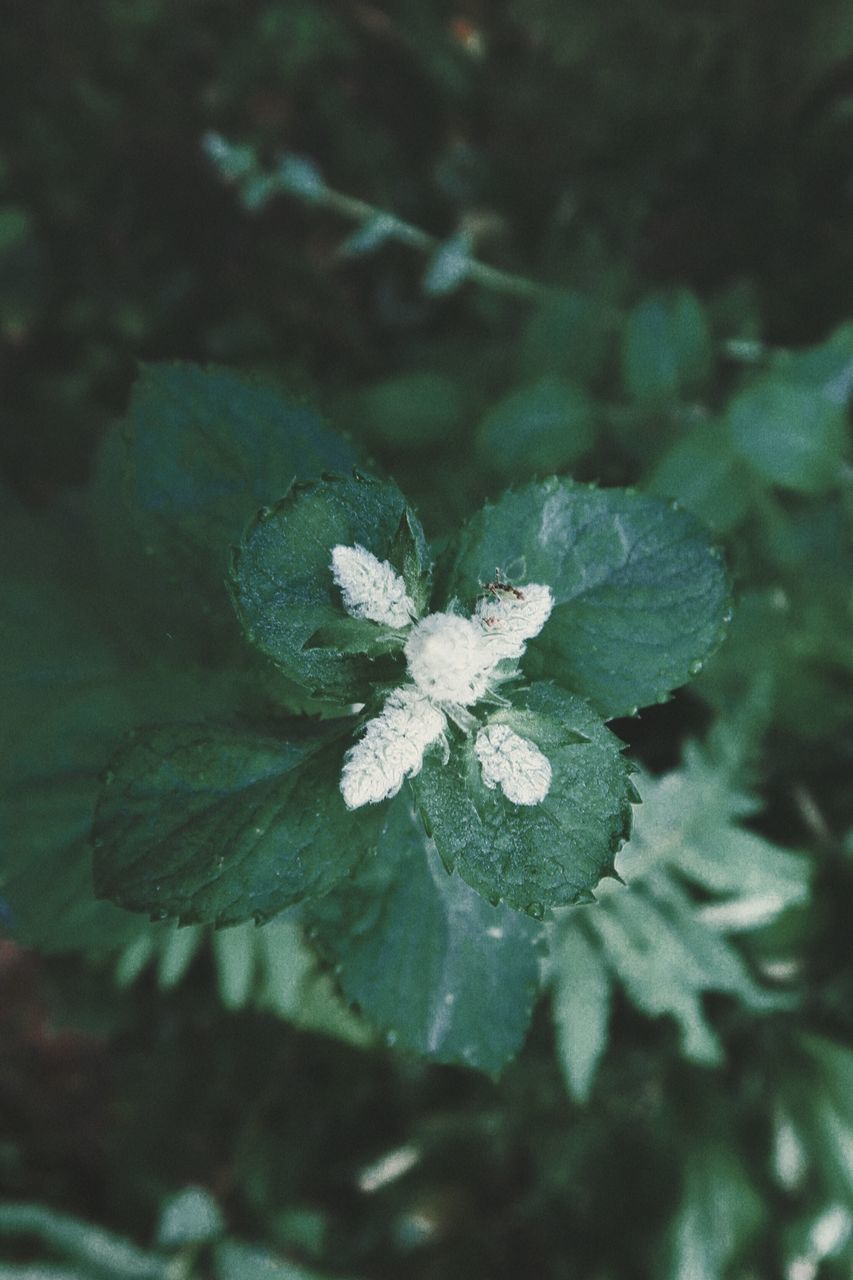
(704, 473)
(667, 948)
(300, 176)
(802, 632)
(691, 337)
(449, 266)
(234, 951)
(641, 594)
(409, 554)
(580, 1007)
(822, 1098)
(793, 435)
(539, 428)
(412, 411)
(270, 968)
(666, 350)
(293, 986)
(233, 161)
(667, 959)
(284, 592)
(719, 1213)
(191, 1217)
(427, 959)
(827, 367)
(691, 820)
(233, 1260)
(534, 856)
(347, 636)
(569, 336)
(66, 702)
(176, 956)
(65, 735)
(178, 479)
(42, 1271)
(222, 824)
(100, 1252)
(134, 959)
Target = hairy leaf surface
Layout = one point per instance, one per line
(547, 854)
(286, 597)
(427, 959)
(641, 595)
(204, 447)
(210, 823)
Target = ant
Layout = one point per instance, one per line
(499, 588)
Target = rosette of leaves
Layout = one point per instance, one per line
(428, 903)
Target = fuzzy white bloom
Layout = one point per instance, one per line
(512, 763)
(370, 587)
(392, 748)
(452, 663)
(510, 617)
(448, 659)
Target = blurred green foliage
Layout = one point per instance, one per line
(675, 181)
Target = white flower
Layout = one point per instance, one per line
(453, 663)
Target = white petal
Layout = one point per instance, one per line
(510, 616)
(392, 748)
(371, 589)
(515, 765)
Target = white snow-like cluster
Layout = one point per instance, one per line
(512, 763)
(392, 747)
(453, 662)
(371, 589)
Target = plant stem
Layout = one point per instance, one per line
(406, 233)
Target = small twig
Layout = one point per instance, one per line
(360, 211)
(298, 177)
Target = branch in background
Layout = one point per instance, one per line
(451, 262)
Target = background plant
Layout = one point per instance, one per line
(672, 187)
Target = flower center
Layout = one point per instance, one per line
(448, 659)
